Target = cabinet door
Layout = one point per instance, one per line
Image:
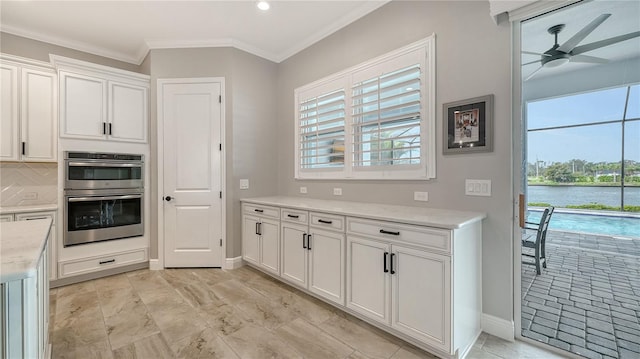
(39, 125)
(250, 240)
(128, 115)
(422, 296)
(326, 264)
(294, 254)
(270, 245)
(83, 111)
(9, 113)
(368, 285)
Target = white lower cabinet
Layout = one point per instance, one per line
(397, 276)
(313, 255)
(97, 263)
(400, 286)
(261, 237)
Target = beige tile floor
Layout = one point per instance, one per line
(213, 313)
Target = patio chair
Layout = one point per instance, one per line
(537, 240)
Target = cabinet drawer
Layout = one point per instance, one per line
(6, 217)
(94, 264)
(36, 215)
(438, 239)
(262, 211)
(295, 216)
(327, 221)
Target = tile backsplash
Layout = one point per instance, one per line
(25, 184)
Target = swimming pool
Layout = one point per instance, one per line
(596, 223)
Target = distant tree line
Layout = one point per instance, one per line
(581, 171)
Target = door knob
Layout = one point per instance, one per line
(168, 198)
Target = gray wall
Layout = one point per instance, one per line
(38, 50)
(249, 124)
(473, 59)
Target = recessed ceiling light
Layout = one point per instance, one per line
(263, 5)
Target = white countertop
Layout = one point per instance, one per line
(432, 217)
(21, 245)
(31, 208)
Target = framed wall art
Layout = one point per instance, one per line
(468, 125)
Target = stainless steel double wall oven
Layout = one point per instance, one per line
(103, 196)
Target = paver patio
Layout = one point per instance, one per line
(587, 300)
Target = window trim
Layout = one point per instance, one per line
(427, 168)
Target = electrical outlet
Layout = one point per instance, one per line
(337, 191)
(244, 183)
(474, 187)
(303, 190)
(30, 195)
(421, 196)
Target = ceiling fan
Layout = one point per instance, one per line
(570, 51)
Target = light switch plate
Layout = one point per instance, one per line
(303, 190)
(337, 191)
(244, 183)
(474, 187)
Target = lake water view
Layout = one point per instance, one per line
(561, 196)
(611, 223)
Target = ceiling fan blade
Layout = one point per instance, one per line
(580, 35)
(534, 53)
(588, 59)
(602, 43)
(532, 62)
(533, 73)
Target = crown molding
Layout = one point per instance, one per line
(225, 42)
(75, 45)
(150, 44)
(360, 12)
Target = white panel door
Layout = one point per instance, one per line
(9, 130)
(422, 296)
(39, 116)
(83, 106)
(294, 254)
(127, 112)
(368, 279)
(192, 174)
(326, 264)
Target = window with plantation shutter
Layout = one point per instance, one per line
(373, 121)
(386, 119)
(322, 130)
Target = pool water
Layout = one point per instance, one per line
(625, 226)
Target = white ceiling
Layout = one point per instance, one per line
(624, 19)
(126, 30)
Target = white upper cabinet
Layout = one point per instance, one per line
(83, 106)
(28, 111)
(102, 103)
(128, 112)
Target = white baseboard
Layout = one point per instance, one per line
(154, 264)
(233, 263)
(498, 327)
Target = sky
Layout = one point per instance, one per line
(596, 143)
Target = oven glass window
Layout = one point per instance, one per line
(104, 173)
(103, 213)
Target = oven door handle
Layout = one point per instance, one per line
(103, 198)
(102, 164)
